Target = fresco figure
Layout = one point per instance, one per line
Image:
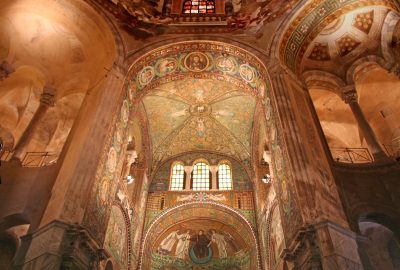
(219, 240)
(201, 244)
(168, 243)
(182, 248)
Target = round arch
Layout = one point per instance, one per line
(180, 49)
(364, 65)
(172, 63)
(200, 210)
(383, 219)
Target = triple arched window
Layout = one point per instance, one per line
(198, 7)
(201, 176)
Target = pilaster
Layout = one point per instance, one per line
(316, 215)
(83, 150)
(309, 177)
(326, 246)
(59, 245)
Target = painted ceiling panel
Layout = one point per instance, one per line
(236, 114)
(164, 115)
(199, 114)
(197, 90)
(201, 134)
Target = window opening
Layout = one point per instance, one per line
(201, 176)
(224, 177)
(177, 177)
(198, 7)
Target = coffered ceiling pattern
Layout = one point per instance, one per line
(345, 39)
(319, 23)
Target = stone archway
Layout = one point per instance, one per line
(210, 216)
(169, 63)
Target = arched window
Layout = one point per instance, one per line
(177, 177)
(224, 177)
(201, 176)
(198, 7)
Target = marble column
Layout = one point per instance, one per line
(46, 101)
(188, 172)
(5, 70)
(350, 97)
(214, 170)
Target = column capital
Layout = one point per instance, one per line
(188, 169)
(349, 94)
(47, 97)
(213, 168)
(5, 70)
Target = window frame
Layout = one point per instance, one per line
(171, 178)
(209, 175)
(198, 7)
(227, 163)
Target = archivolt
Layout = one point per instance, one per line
(162, 222)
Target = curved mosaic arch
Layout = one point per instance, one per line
(160, 224)
(111, 161)
(197, 59)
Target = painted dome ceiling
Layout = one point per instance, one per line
(345, 39)
(331, 35)
(147, 18)
(199, 114)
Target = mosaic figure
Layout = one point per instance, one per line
(201, 244)
(166, 65)
(146, 75)
(196, 61)
(182, 248)
(219, 240)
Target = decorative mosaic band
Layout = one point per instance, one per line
(312, 20)
(198, 60)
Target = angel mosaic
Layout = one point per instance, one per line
(197, 246)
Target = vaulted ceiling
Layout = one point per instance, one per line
(345, 39)
(199, 114)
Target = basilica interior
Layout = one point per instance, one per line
(200, 134)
